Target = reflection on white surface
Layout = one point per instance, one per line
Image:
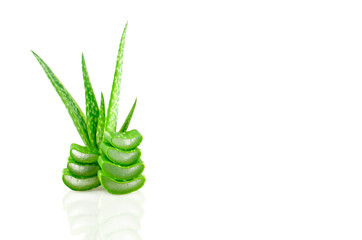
(99, 215)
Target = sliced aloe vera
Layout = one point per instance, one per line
(120, 187)
(82, 169)
(124, 140)
(83, 154)
(119, 156)
(79, 184)
(118, 172)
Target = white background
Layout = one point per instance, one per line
(250, 112)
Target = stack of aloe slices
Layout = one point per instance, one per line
(121, 162)
(109, 158)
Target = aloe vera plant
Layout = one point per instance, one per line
(109, 158)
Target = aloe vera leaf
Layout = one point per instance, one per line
(121, 173)
(121, 187)
(125, 140)
(82, 154)
(112, 112)
(119, 156)
(129, 117)
(92, 109)
(79, 183)
(101, 122)
(71, 105)
(82, 169)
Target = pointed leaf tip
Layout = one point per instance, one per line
(129, 117)
(112, 112)
(71, 105)
(92, 109)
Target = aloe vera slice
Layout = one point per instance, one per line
(112, 112)
(79, 184)
(71, 105)
(92, 110)
(83, 154)
(125, 140)
(121, 172)
(121, 187)
(101, 122)
(119, 156)
(82, 169)
(129, 117)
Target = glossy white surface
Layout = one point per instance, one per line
(98, 215)
(251, 113)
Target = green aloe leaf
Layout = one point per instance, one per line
(112, 112)
(101, 122)
(71, 105)
(91, 105)
(128, 119)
